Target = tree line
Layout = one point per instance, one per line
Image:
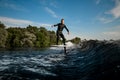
(31, 36)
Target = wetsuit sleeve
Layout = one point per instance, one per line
(56, 24)
(66, 28)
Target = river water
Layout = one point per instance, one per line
(53, 64)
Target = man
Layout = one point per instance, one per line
(59, 33)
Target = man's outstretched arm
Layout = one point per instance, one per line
(56, 24)
(67, 29)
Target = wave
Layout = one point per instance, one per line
(90, 60)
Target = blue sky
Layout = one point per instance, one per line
(87, 19)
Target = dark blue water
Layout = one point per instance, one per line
(94, 61)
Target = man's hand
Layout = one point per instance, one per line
(52, 25)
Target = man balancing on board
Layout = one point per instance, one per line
(59, 33)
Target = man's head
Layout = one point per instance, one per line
(62, 21)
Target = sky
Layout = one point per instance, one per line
(87, 19)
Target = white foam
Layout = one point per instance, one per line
(60, 47)
(69, 44)
(3, 68)
(6, 61)
(39, 70)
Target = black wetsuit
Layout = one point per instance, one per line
(59, 32)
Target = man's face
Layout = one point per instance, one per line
(62, 21)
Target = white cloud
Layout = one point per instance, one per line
(10, 5)
(118, 27)
(50, 11)
(114, 13)
(45, 25)
(98, 1)
(111, 35)
(116, 10)
(112, 32)
(105, 20)
(14, 22)
(20, 23)
(114, 28)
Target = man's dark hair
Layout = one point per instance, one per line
(62, 19)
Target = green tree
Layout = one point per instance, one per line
(52, 37)
(43, 38)
(76, 40)
(28, 39)
(14, 37)
(32, 29)
(31, 36)
(3, 37)
(38, 39)
(2, 25)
